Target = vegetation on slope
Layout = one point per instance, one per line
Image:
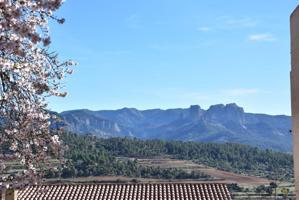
(229, 157)
(94, 156)
(86, 156)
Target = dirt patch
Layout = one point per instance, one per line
(219, 175)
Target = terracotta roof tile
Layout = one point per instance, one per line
(159, 191)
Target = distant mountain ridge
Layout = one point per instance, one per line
(220, 123)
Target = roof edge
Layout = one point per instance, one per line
(153, 183)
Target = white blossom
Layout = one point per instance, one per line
(14, 146)
(55, 139)
(29, 73)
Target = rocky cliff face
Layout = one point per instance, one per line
(220, 123)
(195, 113)
(85, 122)
(225, 114)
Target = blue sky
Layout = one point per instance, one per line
(175, 53)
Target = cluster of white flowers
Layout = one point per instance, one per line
(28, 74)
(55, 139)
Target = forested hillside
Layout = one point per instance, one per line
(89, 155)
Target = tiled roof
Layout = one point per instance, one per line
(159, 191)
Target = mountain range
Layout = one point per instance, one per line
(220, 123)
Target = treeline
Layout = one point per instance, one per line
(84, 157)
(89, 155)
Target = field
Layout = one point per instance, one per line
(218, 176)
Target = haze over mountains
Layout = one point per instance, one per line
(220, 123)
